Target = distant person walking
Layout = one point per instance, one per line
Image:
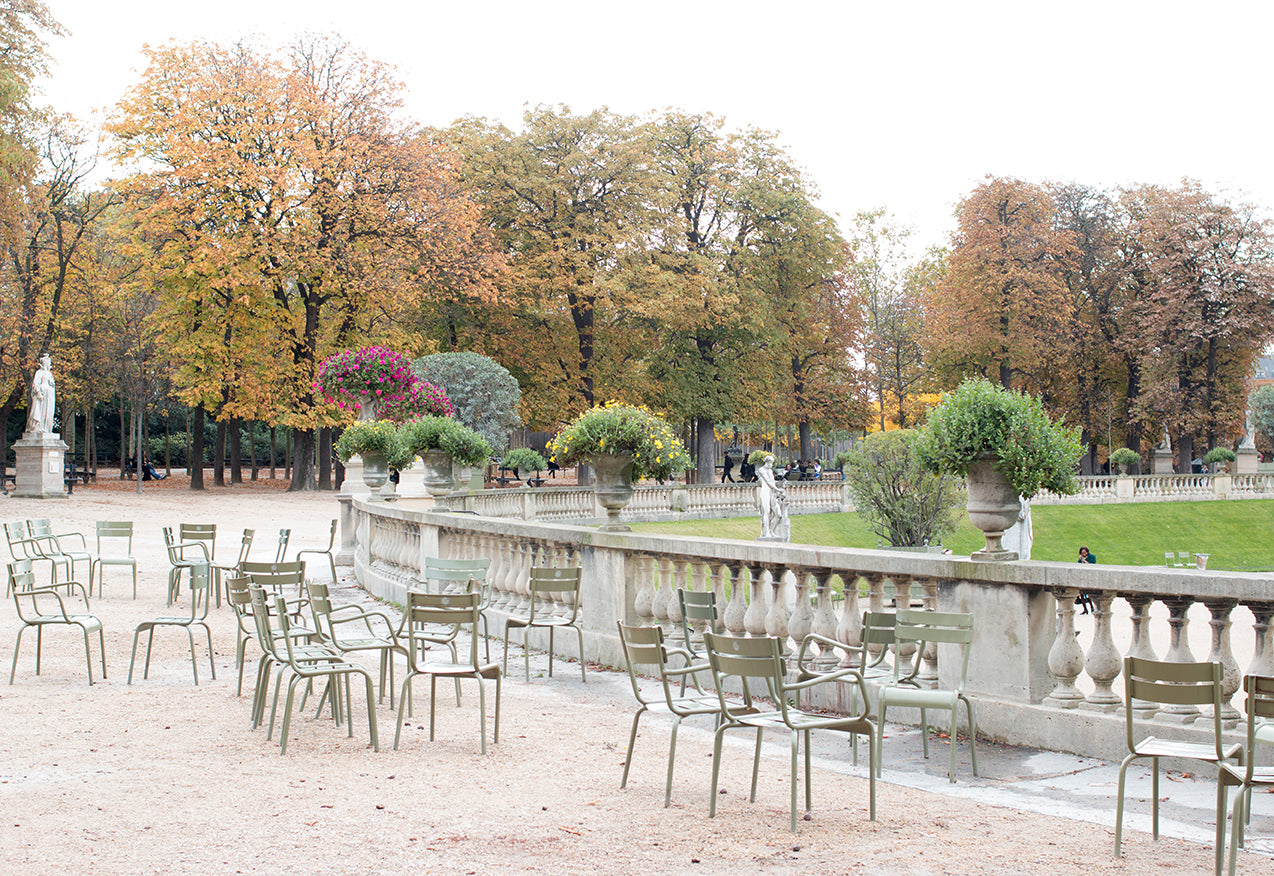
(726, 468)
(1085, 599)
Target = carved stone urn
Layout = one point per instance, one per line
(993, 508)
(613, 486)
(375, 471)
(440, 477)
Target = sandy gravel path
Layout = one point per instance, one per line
(165, 777)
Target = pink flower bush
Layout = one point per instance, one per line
(379, 375)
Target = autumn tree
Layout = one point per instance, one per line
(43, 264)
(292, 212)
(1003, 302)
(1208, 270)
(567, 198)
(892, 291)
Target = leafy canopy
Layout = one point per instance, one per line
(981, 419)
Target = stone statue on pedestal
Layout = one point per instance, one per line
(43, 399)
(772, 498)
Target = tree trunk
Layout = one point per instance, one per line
(235, 426)
(302, 461)
(706, 451)
(139, 457)
(194, 459)
(252, 447)
(273, 433)
(168, 445)
(1185, 452)
(325, 458)
(123, 439)
(807, 447)
(219, 456)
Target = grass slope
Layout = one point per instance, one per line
(1234, 534)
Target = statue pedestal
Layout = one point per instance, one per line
(1161, 462)
(38, 467)
(1247, 460)
(350, 487)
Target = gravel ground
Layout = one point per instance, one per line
(162, 776)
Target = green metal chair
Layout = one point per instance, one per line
(923, 628)
(280, 553)
(66, 548)
(348, 628)
(185, 557)
(545, 584)
(1182, 684)
(222, 571)
(245, 626)
(329, 553)
(645, 651)
(460, 610)
(453, 576)
(1259, 708)
(40, 607)
(115, 533)
(199, 584)
(697, 607)
(305, 666)
(756, 666)
(205, 533)
(268, 629)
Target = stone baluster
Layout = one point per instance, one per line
(1065, 658)
(776, 619)
(929, 658)
(659, 597)
(720, 573)
(1103, 664)
(737, 609)
(904, 651)
(522, 571)
(641, 599)
(849, 631)
(1141, 646)
(754, 619)
(1220, 651)
(680, 580)
(1263, 652)
(801, 623)
(824, 620)
(876, 591)
(1179, 652)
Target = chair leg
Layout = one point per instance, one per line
(482, 712)
(632, 743)
(1119, 803)
(16, 646)
(132, 660)
(951, 767)
(716, 770)
(796, 752)
(1154, 784)
(582, 677)
(756, 765)
(495, 734)
(809, 791)
(672, 760)
(404, 699)
(973, 735)
(551, 630)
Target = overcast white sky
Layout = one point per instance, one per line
(903, 105)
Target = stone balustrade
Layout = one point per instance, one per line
(1036, 682)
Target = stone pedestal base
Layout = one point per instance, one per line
(1247, 460)
(1161, 462)
(38, 467)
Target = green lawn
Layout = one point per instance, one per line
(1236, 534)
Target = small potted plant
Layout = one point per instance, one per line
(1007, 447)
(1220, 458)
(381, 447)
(623, 444)
(524, 461)
(1123, 458)
(442, 443)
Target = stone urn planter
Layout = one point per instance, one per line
(993, 508)
(613, 486)
(375, 471)
(440, 478)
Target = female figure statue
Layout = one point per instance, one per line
(43, 396)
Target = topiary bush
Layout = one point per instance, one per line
(1125, 457)
(485, 395)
